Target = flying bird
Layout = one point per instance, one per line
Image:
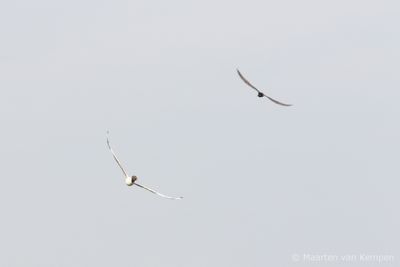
(260, 94)
(131, 180)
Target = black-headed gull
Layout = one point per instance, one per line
(260, 94)
(131, 180)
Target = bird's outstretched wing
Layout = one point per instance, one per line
(252, 86)
(246, 81)
(277, 102)
(115, 157)
(157, 193)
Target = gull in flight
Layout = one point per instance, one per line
(260, 94)
(131, 180)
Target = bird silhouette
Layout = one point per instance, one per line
(131, 180)
(260, 94)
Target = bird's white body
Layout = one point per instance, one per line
(129, 181)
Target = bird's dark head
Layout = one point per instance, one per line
(260, 94)
(134, 178)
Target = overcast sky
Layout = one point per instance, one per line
(262, 184)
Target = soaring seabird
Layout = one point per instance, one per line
(131, 180)
(260, 94)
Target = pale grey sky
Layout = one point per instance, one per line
(261, 182)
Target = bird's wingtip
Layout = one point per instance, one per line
(108, 140)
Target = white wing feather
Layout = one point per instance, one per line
(157, 193)
(115, 157)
